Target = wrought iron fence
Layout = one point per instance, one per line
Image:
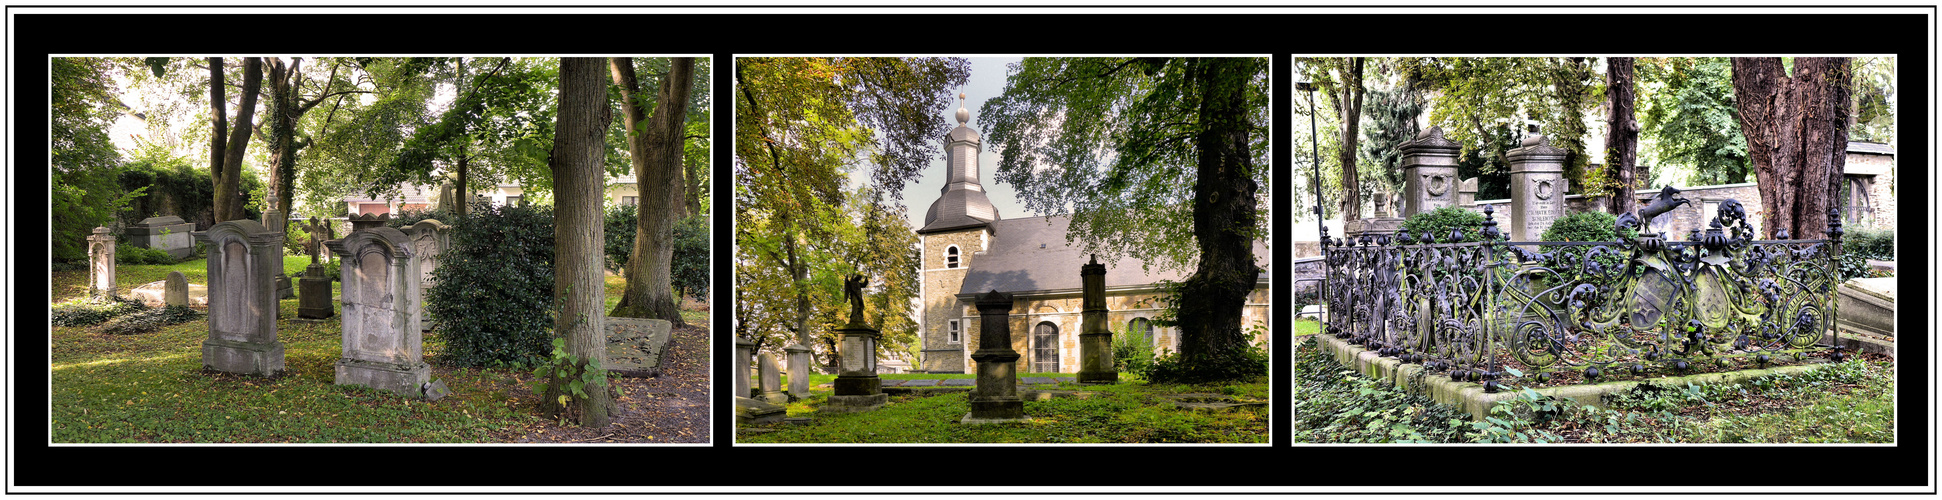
(1493, 310)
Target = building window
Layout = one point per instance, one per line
(1859, 207)
(512, 200)
(956, 336)
(1141, 329)
(951, 257)
(627, 200)
(1045, 348)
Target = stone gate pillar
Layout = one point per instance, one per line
(383, 347)
(1095, 341)
(995, 398)
(1429, 172)
(101, 263)
(1536, 188)
(243, 261)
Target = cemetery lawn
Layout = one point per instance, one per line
(151, 388)
(1128, 412)
(1850, 402)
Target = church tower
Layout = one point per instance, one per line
(956, 228)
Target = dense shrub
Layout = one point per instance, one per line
(1858, 245)
(1131, 354)
(133, 255)
(84, 312)
(620, 227)
(149, 320)
(495, 287)
(1174, 367)
(1439, 222)
(1583, 226)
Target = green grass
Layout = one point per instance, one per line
(1128, 412)
(151, 387)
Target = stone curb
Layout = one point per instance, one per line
(1471, 398)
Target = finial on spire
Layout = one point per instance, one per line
(964, 116)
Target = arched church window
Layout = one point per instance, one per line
(1045, 348)
(951, 257)
(1141, 329)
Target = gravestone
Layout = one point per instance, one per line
(101, 263)
(1467, 192)
(743, 351)
(368, 221)
(429, 239)
(857, 387)
(243, 260)
(798, 356)
(274, 222)
(382, 344)
(771, 380)
(167, 233)
(314, 300)
(175, 290)
(1095, 341)
(1429, 172)
(1536, 188)
(995, 397)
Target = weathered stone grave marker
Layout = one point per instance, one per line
(167, 233)
(995, 398)
(101, 263)
(175, 290)
(382, 342)
(1095, 341)
(314, 300)
(1536, 188)
(743, 351)
(429, 239)
(771, 378)
(857, 387)
(242, 263)
(1429, 172)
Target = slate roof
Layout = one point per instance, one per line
(1015, 263)
(959, 209)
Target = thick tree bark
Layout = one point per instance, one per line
(282, 142)
(1622, 141)
(227, 145)
(655, 145)
(579, 148)
(1796, 133)
(1212, 300)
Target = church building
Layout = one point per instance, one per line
(969, 249)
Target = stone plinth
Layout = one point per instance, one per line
(798, 355)
(382, 346)
(1537, 188)
(995, 399)
(857, 387)
(167, 233)
(101, 263)
(1095, 341)
(243, 260)
(770, 380)
(757, 412)
(1429, 172)
(314, 298)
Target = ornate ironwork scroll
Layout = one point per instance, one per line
(1642, 306)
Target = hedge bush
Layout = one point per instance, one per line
(1858, 245)
(133, 255)
(1439, 222)
(495, 287)
(1584, 226)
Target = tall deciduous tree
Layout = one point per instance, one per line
(1692, 119)
(1797, 134)
(1189, 143)
(654, 144)
(579, 152)
(1622, 133)
(1341, 80)
(227, 146)
(83, 161)
(801, 124)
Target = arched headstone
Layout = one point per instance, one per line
(243, 260)
(383, 346)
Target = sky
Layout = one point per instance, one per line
(987, 81)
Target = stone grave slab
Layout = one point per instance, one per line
(153, 294)
(960, 382)
(916, 382)
(1039, 380)
(634, 346)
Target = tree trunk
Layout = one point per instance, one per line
(1211, 302)
(578, 151)
(1796, 134)
(655, 145)
(1622, 143)
(282, 136)
(1350, 110)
